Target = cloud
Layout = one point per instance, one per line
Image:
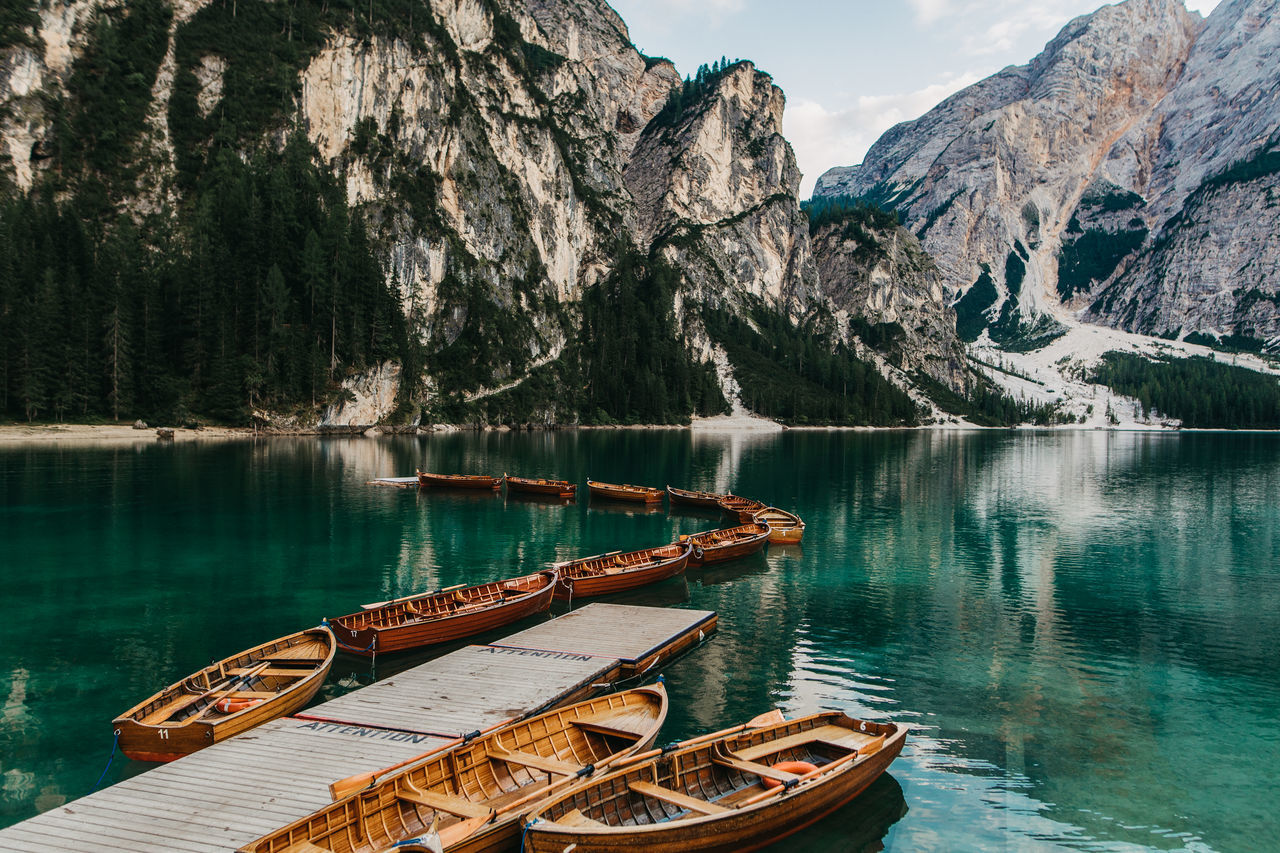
(668, 17)
(928, 11)
(823, 137)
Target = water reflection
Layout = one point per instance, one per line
(1079, 626)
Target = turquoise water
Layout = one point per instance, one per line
(1080, 627)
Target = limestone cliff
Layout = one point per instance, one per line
(1131, 159)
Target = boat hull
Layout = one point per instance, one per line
(749, 827)
(706, 550)
(359, 634)
(743, 509)
(160, 742)
(576, 585)
(555, 488)
(622, 492)
(785, 528)
(707, 500)
(459, 481)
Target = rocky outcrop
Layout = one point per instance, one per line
(889, 294)
(367, 398)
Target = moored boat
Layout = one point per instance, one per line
(606, 573)
(741, 508)
(624, 492)
(438, 617)
(729, 543)
(556, 488)
(785, 528)
(459, 481)
(742, 791)
(228, 697)
(689, 497)
(472, 795)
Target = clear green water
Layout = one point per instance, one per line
(1082, 628)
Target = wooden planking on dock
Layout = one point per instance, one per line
(223, 795)
(399, 482)
(475, 687)
(638, 637)
(232, 792)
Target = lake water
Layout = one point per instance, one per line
(1080, 627)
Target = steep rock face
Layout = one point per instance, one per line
(1112, 163)
(715, 190)
(884, 278)
(997, 170)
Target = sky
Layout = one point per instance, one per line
(853, 69)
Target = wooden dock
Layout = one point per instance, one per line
(398, 482)
(233, 792)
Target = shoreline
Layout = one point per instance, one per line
(12, 434)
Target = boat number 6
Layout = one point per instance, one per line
(864, 725)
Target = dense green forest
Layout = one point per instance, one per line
(1200, 392)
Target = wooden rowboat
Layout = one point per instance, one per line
(459, 481)
(438, 617)
(558, 488)
(714, 546)
(742, 508)
(710, 500)
(473, 795)
(228, 697)
(785, 528)
(713, 796)
(615, 572)
(624, 492)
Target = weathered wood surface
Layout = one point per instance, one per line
(626, 632)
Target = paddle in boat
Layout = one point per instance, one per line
(555, 488)
(459, 481)
(785, 528)
(740, 791)
(741, 508)
(714, 546)
(606, 573)
(438, 617)
(624, 492)
(470, 795)
(228, 697)
(708, 500)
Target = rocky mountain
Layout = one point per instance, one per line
(553, 212)
(1126, 176)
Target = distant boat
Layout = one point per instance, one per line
(729, 543)
(624, 492)
(438, 617)
(710, 500)
(459, 481)
(470, 797)
(785, 528)
(742, 508)
(606, 573)
(228, 697)
(742, 791)
(558, 488)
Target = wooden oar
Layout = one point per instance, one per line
(236, 684)
(350, 784)
(378, 604)
(769, 718)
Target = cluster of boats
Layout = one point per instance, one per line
(582, 777)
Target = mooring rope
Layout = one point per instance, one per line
(110, 758)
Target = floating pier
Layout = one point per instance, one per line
(398, 482)
(228, 794)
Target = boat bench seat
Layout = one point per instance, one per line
(252, 694)
(684, 801)
(761, 770)
(837, 736)
(538, 762)
(305, 846)
(271, 670)
(446, 803)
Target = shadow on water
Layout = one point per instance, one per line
(859, 827)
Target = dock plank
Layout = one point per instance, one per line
(627, 632)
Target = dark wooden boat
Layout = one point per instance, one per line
(710, 500)
(228, 697)
(785, 528)
(712, 797)
(459, 481)
(606, 573)
(556, 488)
(438, 617)
(473, 795)
(624, 492)
(741, 508)
(729, 543)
